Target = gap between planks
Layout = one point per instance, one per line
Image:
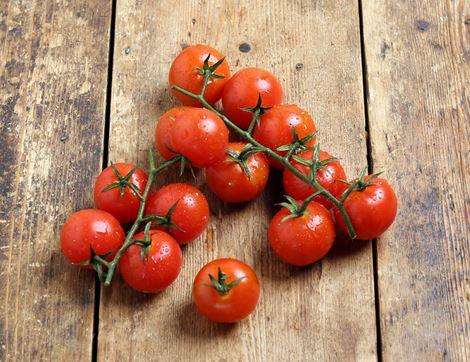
(104, 164)
(370, 166)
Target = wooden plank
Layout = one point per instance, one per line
(53, 84)
(314, 313)
(417, 56)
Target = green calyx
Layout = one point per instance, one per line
(146, 242)
(360, 184)
(220, 283)
(297, 145)
(242, 157)
(163, 221)
(314, 164)
(296, 209)
(208, 70)
(97, 262)
(257, 111)
(123, 182)
(184, 162)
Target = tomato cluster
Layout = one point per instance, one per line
(319, 198)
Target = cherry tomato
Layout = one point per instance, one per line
(184, 74)
(231, 295)
(305, 239)
(275, 128)
(201, 136)
(243, 90)
(371, 210)
(156, 270)
(228, 180)
(91, 228)
(328, 177)
(121, 201)
(163, 131)
(191, 214)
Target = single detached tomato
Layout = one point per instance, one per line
(164, 128)
(190, 216)
(371, 209)
(90, 229)
(328, 176)
(200, 136)
(226, 290)
(155, 270)
(184, 74)
(229, 180)
(111, 194)
(243, 90)
(275, 128)
(304, 239)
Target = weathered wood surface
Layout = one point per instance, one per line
(418, 55)
(326, 311)
(52, 97)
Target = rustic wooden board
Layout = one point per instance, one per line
(417, 56)
(314, 313)
(53, 84)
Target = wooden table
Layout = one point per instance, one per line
(82, 84)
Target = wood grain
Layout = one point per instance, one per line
(322, 312)
(52, 94)
(418, 55)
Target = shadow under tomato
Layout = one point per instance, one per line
(344, 245)
(193, 323)
(126, 296)
(219, 208)
(274, 268)
(77, 284)
(274, 192)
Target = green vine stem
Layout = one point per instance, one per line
(112, 265)
(283, 160)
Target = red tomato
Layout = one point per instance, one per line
(228, 180)
(156, 271)
(85, 229)
(243, 90)
(163, 131)
(201, 136)
(275, 128)
(371, 210)
(328, 177)
(305, 239)
(124, 208)
(191, 214)
(183, 73)
(231, 296)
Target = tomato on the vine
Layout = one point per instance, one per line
(304, 239)
(275, 128)
(371, 209)
(328, 176)
(88, 230)
(201, 136)
(164, 128)
(184, 73)
(113, 194)
(226, 290)
(154, 269)
(241, 176)
(243, 90)
(189, 217)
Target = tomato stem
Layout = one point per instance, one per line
(112, 265)
(283, 160)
